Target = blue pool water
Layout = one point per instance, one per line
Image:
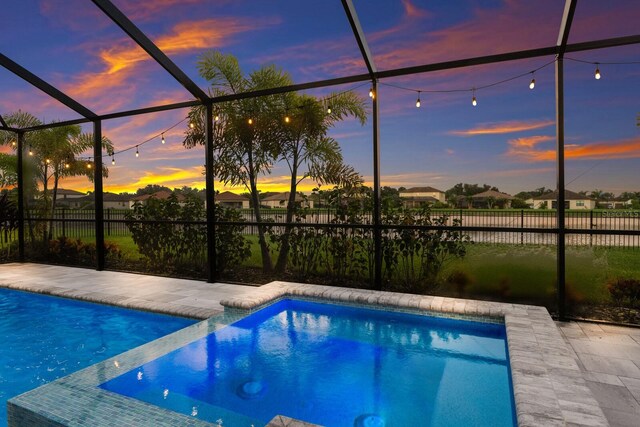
(43, 338)
(334, 366)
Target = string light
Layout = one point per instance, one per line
(89, 165)
(250, 121)
(47, 161)
(13, 143)
(113, 160)
(137, 152)
(329, 109)
(216, 117)
(163, 141)
(418, 101)
(474, 99)
(30, 151)
(597, 74)
(371, 94)
(67, 165)
(287, 119)
(192, 125)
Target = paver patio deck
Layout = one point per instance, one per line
(608, 356)
(190, 298)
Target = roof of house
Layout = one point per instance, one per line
(422, 190)
(492, 193)
(421, 199)
(161, 195)
(67, 192)
(113, 197)
(278, 197)
(228, 196)
(568, 195)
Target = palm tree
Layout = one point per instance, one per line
(306, 146)
(56, 152)
(252, 134)
(53, 155)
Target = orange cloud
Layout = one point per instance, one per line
(122, 61)
(185, 37)
(412, 11)
(628, 148)
(530, 141)
(504, 127)
(123, 179)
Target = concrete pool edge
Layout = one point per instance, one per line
(171, 309)
(548, 386)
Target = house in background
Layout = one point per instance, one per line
(491, 199)
(65, 194)
(116, 201)
(160, 195)
(416, 197)
(109, 201)
(280, 200)
(232, 200)
(572, 201)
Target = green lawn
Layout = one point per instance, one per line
(518, 272)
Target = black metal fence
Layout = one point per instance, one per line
(588, 228)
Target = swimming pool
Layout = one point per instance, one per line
(334, 365)
(44, 338)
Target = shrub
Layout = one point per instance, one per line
(414, 257)
(231, 246)
(625, 292)
(459, 280)
(173, 236)
(74, 251)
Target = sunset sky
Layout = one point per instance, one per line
(507, 140)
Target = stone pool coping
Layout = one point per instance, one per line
(548, 386)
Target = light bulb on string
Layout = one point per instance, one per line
(287, 119)
(250, 121)
(47, 161)
(329, 109)
(137, 152)
(192, 125)
(216, 117)
(67, 165)
(371, 94)
(13, 143)
(113, 160)
(30, 151)
(163, 141)
(597, 74)
(418, 103)
(474, 101)
(533, 81)
(88, 165)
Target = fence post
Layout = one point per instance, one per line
(522, 226)
(97, 194)
(64, 223)
(20, 173)
(377, 220)
(210, 195)
(108, 222)
(591, 227)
